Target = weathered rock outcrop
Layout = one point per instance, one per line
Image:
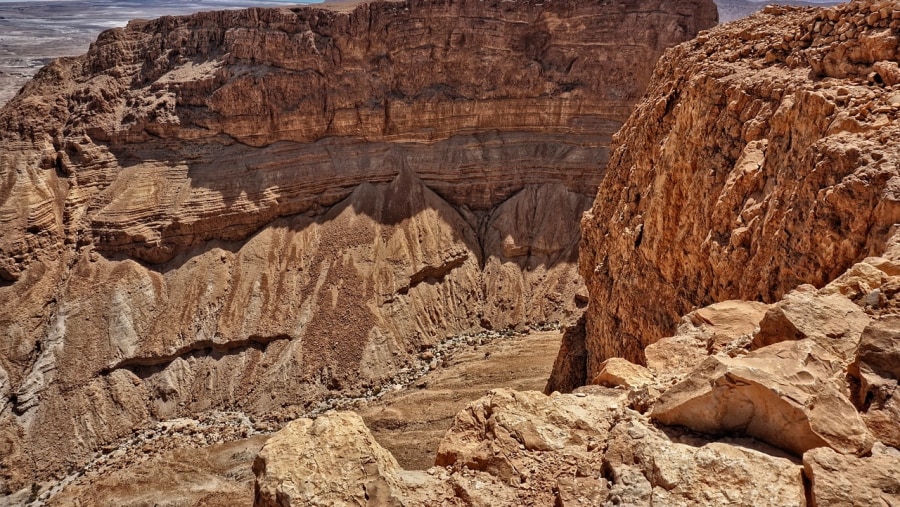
(797, 394)
(515, 448)
(842, 480)
(335, 460)
(253, 209)
(760, 159)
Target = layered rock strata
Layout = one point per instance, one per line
(252, 209)
(761, 158)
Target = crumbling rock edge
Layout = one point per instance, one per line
(760, 159)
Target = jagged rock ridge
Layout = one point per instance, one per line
(251, 209)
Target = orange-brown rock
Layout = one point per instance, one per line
(253, 209)
(761, 158)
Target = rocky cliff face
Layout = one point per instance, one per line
(761, 158)
(252, 209)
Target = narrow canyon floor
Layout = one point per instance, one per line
(174, 467)
(411, 422)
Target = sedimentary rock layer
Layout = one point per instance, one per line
(187, 99)
(251, 209)
(762, 157)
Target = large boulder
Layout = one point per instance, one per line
(335, 460)
(727, 327)
(505, 422)
(831, 320)
(785, 394)
(650, 467)
(618, 372)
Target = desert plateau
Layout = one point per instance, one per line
(451, 253)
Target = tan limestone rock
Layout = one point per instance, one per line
(616, 372)
(505, 422)
(838, 479)
(720, 327)
(728, 321)
(832, 321)
(662, 470)
(862, 282)
(333, 460)
(588, 449)
(784, 394)
(674, 357)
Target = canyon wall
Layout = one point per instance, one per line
(762, 164)
(763, 157)
(249, 210)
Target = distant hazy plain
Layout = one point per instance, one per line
(34, 33)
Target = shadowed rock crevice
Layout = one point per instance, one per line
(432, 274)
(238, 190)
(146, 366)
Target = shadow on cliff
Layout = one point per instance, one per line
(226, 194)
